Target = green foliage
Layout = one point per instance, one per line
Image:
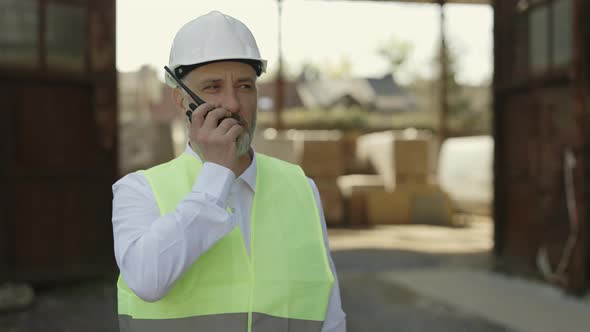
(337, 118)
(355, 118)
(349, 118)
(395, 52)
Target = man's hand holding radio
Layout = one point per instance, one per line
(213, 133)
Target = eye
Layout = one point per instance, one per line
(211, 88)
(245, 86)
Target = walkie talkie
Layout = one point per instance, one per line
(196, 98)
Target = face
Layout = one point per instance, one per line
(230, 85)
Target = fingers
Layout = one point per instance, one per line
(234, 132)
(198, 115)
(214, 132)
(226, 124)
(213, 118)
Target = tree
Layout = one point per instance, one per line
(312, 71)
(461, 113)
(459, 104)
(395, 52)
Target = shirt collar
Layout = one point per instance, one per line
(249, 175)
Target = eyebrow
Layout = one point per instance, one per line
(245, 80)
(210, 81)
(219, 80)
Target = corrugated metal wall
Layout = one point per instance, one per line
(539, 114)
(58, 139)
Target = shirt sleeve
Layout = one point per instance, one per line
(154, 250)
(335, 317)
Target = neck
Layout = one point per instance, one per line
(243, 163)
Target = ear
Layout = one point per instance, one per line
(179, 98)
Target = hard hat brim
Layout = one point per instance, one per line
(190, 66)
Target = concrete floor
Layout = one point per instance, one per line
(374, 303)
(424, 278)
(387, 276)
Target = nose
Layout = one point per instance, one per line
(230, 100)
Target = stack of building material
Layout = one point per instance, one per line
(331, 201)
(352, 164)
(321, 155)
(404, 161)
(375, 149)
(355, 189)
(401, 192)
(425, 204)
(399, 157)
(388, 207)
(411, 161)
(430, 205)
(278, 144)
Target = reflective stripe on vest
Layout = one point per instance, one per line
(284, 285)
(220, 322)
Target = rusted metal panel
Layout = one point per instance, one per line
(584, 64)
(58, 156)
(6, 154)
(580, 266)
(538, 117)
(59, 181)
(62, 221)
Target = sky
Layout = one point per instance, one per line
(319, 32)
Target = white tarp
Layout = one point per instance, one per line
(465, 172)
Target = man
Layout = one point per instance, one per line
(222, 238)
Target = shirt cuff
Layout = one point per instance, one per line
(215, 182)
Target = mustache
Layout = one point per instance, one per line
(237, 117)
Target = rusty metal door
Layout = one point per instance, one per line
(56, 184)
(540, 106)
(58, 111)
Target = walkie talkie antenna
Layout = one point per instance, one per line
(196, 98)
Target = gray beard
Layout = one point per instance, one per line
(245, 139)
(243, 144)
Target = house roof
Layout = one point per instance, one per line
(385, 86)
(326, 92)
(290, 94)
(382, 93)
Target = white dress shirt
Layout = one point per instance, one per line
(153, 251)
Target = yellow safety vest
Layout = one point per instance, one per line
(284, 285)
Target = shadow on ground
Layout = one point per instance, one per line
(378, 260)
(370, 303)
(88, 306)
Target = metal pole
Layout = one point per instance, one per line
(498, 128)
(444, 73)
(279, 83)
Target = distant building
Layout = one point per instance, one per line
(267, 91)
(373, 94)
(389, 96)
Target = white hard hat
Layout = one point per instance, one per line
(213, 37)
